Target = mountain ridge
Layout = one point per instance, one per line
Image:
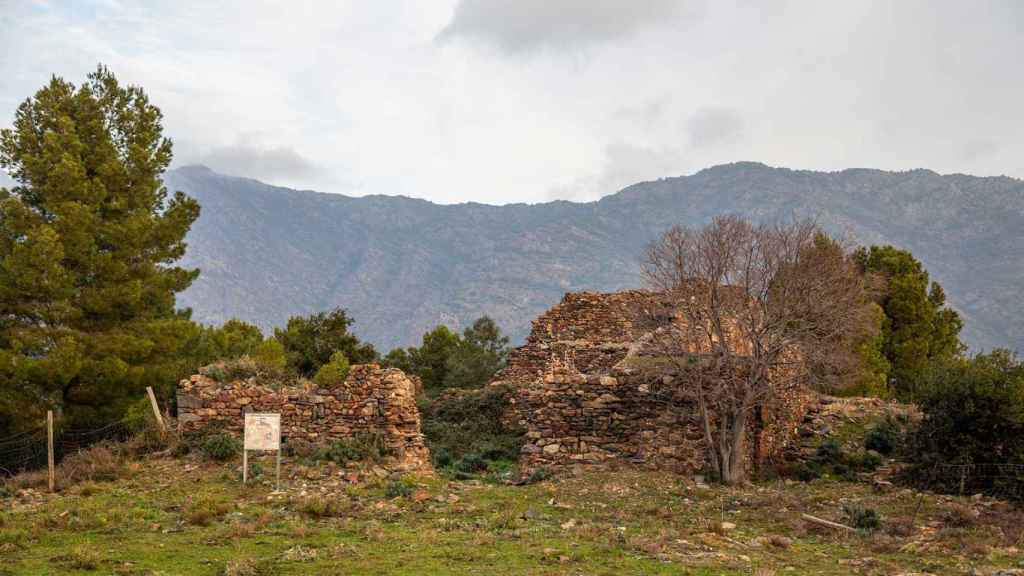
(401, 265)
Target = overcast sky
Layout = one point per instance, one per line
(503, 101)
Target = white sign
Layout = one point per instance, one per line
(262, 431)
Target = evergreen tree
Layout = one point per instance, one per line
(309, 341)
(88, 241)
(446, 360)
(918, 329)
(430, 360)
(481, 352)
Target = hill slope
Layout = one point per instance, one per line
(401, 266)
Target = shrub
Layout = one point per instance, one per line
(870, 461)
(471, 422)
(139, 415)
(844, 471)
(442, 458)
(973, 414)
(271, 354)
(204, 511)
(883, 437)
(321, 507)
(807, 471)
(264, 368)
(98, 463)
(471, 463)
(255, 471)
(399, 488)
(150, 439)
(829, 452)
(358, 448)
(221, 446)
(539, 475)
(960, 516)
(333, 373)
(861, 517)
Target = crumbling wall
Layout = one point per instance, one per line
(589, 330)
(372, 400)
(574, 418)
(590, 391)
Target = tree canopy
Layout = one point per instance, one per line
(309, 341)
(918, 328)
(445, 359)
(89, 238)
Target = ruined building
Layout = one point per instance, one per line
(372, 401)
(589, 389)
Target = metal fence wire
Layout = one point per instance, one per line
(998, 479)
(27, 451)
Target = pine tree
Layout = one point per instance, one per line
(918, 329)
(88, 241)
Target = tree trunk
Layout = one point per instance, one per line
(737, 451)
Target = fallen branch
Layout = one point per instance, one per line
(828, 523)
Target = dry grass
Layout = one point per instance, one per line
(205, 511)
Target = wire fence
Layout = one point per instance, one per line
(999, 479)
(27, 450)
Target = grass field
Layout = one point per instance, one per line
(184, 516)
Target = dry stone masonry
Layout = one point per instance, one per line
(588, 392)
(372, 400)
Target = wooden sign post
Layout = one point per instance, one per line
(262, 432)
(156, 409)
(49, 450)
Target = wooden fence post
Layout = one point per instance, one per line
(156, 409)
(49, 449)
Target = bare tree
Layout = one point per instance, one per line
(756, 306)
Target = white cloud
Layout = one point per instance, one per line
(525, 99)
(527, 25)
(713, 126)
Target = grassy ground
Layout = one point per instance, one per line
(184, 516)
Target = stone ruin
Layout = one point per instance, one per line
(372, 400)
(585, 391)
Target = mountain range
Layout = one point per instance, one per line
(400, 265)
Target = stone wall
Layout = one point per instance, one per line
(372, 400)
(590, 391)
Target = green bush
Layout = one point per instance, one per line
(471, 422)
(442, 458)
(358, 448)
(399, 488)
(471, 464)
(861, 517)
(806, 471)
(333, 373)
(973, 414)
(883, 437)
(870, 461)
(829, 452)
(539, 475)
(220, 446)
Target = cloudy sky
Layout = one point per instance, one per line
(529, 100)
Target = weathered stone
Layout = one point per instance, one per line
(372, 400)
(582, 396)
